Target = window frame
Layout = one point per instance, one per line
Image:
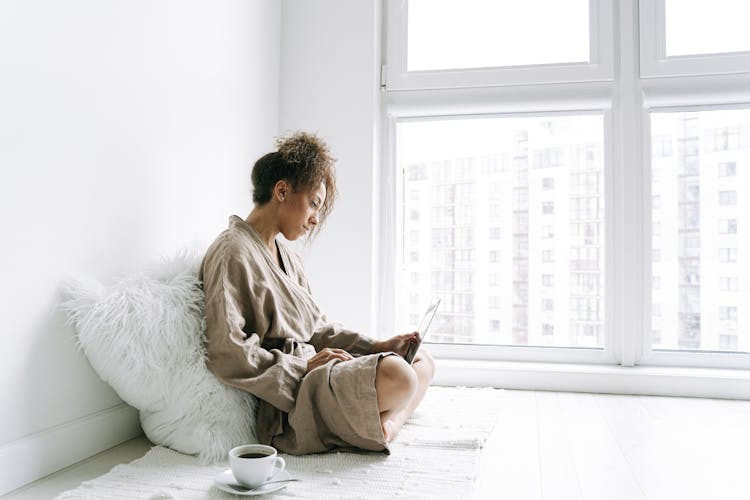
(649, 356)
(626, 101)
(396, 291)
(599, 68)
(653, 50)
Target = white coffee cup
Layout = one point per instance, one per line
(254, 464)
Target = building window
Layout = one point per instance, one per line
(655, 282)
(729, 284)
(727, 169)
(548, 329)
(728, 313)
(728, 342)
(548, 183)
(727, 226)
(547, 305)
(727, 255)
(656, 310)
(547, 280)
(548, 207)
(727, 197)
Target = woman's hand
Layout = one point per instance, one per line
(325, 355)
(398, 343)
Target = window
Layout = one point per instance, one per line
(727, 197)
(728, 313)
(727, 169)
(655, 282)
(727, 226)
(719, 24)
(670, 47)
(727, 255)
(462, 216)
(728, 342)
(484, 35)
(701, 202)
(570, 42)
(604, 179)
(728, 284)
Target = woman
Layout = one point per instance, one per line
(319, 385)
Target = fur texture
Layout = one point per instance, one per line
(144, 336)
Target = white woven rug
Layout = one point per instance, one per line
(434, 456)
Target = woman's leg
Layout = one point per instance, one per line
(400, 388)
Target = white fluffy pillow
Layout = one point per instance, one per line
(144, 336)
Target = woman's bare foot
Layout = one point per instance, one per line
(393, 422)
(389, 433)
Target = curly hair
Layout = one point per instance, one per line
(304, 161)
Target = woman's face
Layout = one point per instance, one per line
(300, 210)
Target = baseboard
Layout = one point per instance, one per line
(642, 380)
(32, 457)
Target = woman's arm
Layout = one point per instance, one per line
(335, 336)
(234, 356)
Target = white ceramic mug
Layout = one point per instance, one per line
(254, 470)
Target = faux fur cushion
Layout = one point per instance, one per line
(144, 336)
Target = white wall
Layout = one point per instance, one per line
(127, 129)
(330, 63)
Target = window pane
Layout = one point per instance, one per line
(706, 27)
(512, 212)
(703, 239)
(450, 34)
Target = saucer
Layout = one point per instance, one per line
(225, 479)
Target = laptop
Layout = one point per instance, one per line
(422, 329)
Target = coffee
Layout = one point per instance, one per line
(253, 455)
(254, 464)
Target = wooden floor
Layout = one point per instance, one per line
(560, 446)
(566, 446)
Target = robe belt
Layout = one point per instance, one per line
(280, 343)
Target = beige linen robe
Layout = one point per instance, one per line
(262, 324)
